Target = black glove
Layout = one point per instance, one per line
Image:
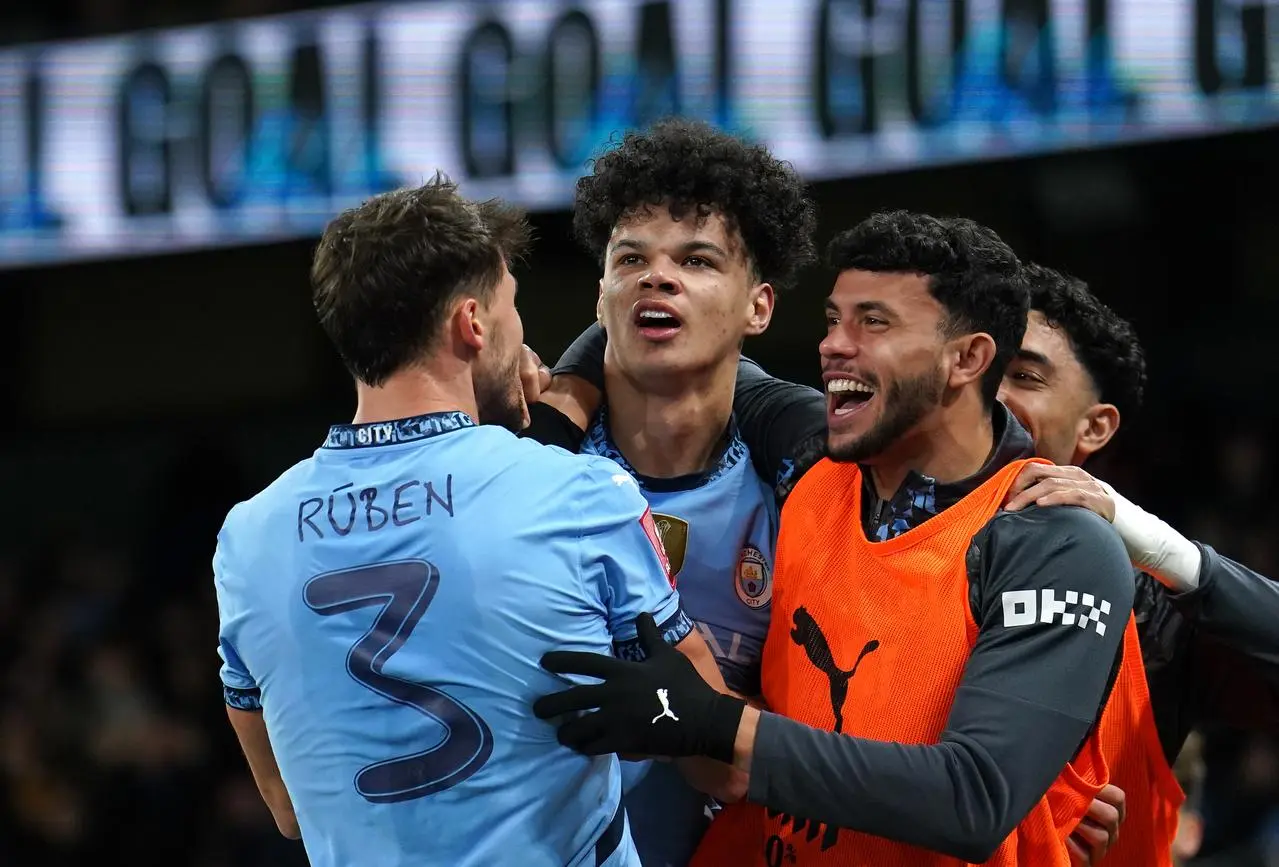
(659, 707)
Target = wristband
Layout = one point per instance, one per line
(1154, 546)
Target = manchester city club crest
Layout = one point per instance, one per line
(754, 583)
(673, 532)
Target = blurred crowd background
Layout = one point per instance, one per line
(141, 396)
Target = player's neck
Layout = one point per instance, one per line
(950, 447)
(670, 433)
(414, 392)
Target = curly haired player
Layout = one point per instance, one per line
(696, 231)
(1204, 622)
(958, 722)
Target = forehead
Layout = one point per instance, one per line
(1043, 339)
(905, 294)
(655, 226)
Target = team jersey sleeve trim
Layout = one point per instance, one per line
(242, 699)
(238, 682)
(674, 628)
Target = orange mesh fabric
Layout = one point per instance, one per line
(871, 640)
(1130, 742)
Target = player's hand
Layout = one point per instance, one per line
(1051, 485)
(1099, 829)
(535, 376)
(659, 707)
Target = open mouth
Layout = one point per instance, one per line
(846, 396)
(656, 321)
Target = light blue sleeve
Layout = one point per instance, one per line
(622, 559)
(239, 689)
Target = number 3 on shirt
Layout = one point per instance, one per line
(404, 591)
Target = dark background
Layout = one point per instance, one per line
(141, 398)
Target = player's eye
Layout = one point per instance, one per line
(874, 322)
(628, 259)
(697, 262)
(831, 320)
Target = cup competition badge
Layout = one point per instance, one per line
(674, 535)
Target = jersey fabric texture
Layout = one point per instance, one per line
(718, 529)
(386, 602)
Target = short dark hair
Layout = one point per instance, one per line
(385, 272)
(1105, 344)
(971, 272)
(699, 169)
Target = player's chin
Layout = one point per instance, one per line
(845, 446)
(839, 447)
(667, 360)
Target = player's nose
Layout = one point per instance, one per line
(661, 279)
(837, 344)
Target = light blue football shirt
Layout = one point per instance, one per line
(719, 529)
(386, 603)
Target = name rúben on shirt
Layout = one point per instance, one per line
(373, 508)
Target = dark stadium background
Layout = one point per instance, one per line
(140, 398)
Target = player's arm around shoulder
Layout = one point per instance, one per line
(782, 423)
(1224, 600)
(239, 688)
(572, 392)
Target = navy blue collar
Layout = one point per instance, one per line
(403, 430)
(599, 441)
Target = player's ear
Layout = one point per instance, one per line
(760, 312)
(468, 325)
(599, 304)
(970, 357)
(1097, 427)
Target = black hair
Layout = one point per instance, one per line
(1105, 343)
(384, 272)
(971, 272)
(695, 168)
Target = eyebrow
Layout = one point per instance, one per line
(1033, 357)
(864, 307)
(705, 247)
(689, 248)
